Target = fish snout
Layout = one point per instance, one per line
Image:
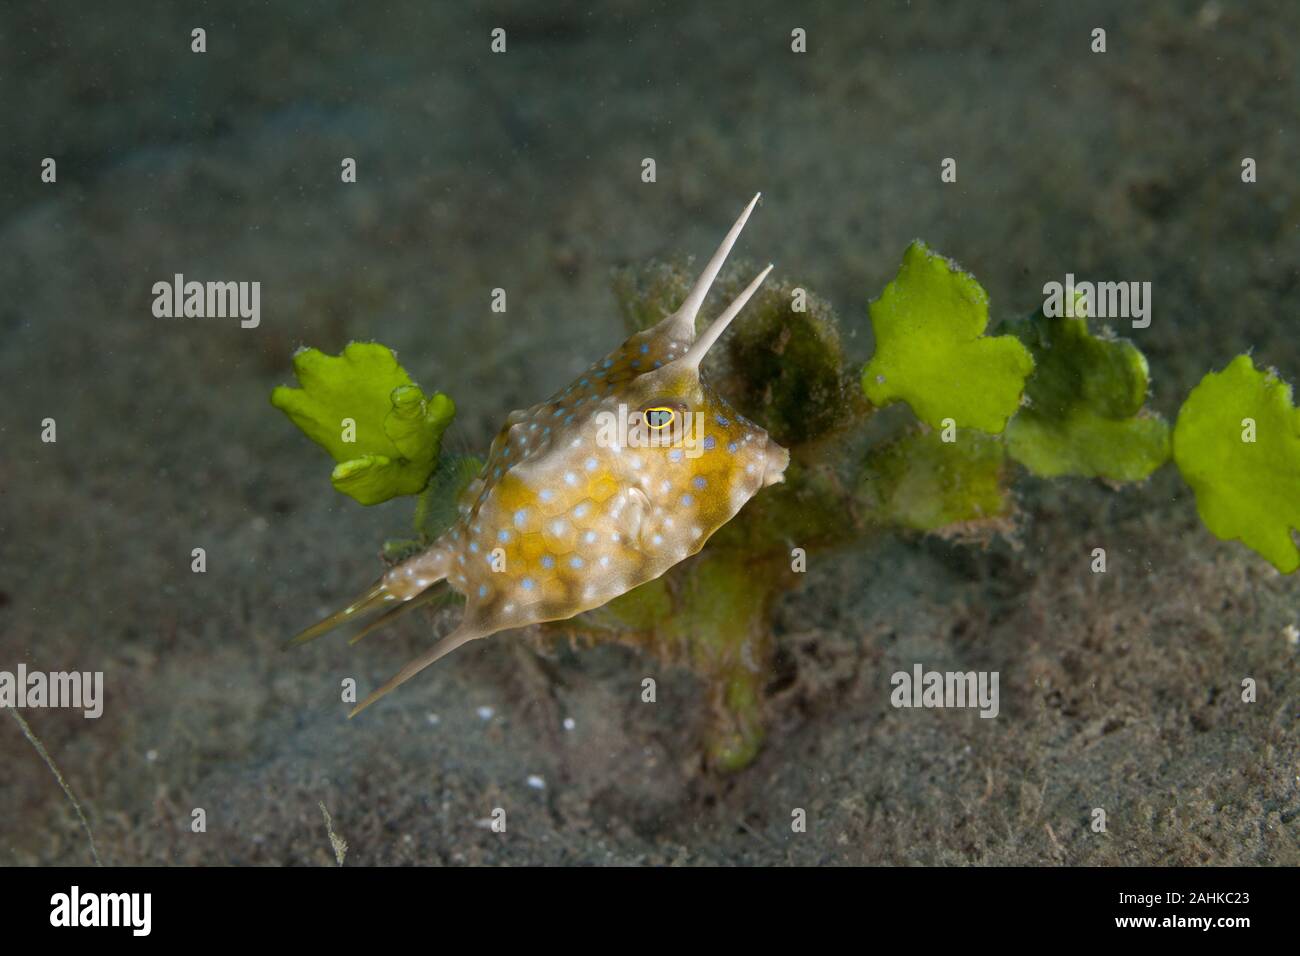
(775, 459)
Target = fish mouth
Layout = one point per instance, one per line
(775, 460)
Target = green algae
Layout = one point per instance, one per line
(1237, 443)
(364, 410)
(1085, 412)
(931, 350)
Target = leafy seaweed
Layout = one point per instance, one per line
(1085, 413)
(931, 351)
(363, 408)
(1237, 443)
(923, 483)
(785, 365)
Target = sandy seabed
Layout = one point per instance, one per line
(1119, 691)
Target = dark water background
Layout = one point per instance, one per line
(522, 170)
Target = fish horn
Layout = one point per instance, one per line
(695, 354)
(682, 322)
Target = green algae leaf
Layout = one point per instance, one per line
(1246, 490)
(923, 483)
(931, 350)
(363, 409)
(1085, 413)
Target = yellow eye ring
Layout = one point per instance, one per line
(659, 416)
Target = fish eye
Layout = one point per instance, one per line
(659, 416)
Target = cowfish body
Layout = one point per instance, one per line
(560, 521)
(604, 486)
